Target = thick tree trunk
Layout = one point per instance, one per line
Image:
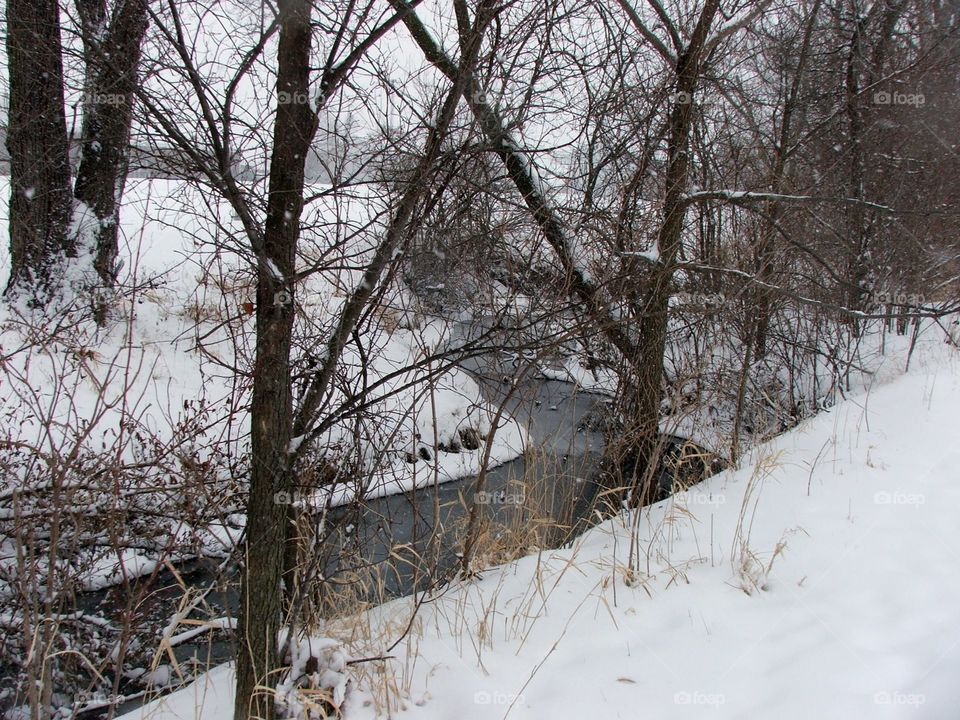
(40, 200)
(112, 55)
(857, 227)
(261, 598)
(644, 410)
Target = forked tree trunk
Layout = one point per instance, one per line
(111, 48)
(261, 598)
(644, 410)
(40, 200)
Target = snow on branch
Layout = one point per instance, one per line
(738, 197)
(919, 311)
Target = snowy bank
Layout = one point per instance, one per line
(819, 580)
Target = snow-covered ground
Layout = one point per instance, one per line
(817, 581)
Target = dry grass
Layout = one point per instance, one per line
(358, 611)
(478, 616)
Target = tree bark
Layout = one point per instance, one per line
(644, 410)
(763, 252)
(261, 596)
(858, 75)
(111, 50)
(40, 202)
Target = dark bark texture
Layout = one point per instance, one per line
(644, 410)
(40, 202)
(111, 48)
(261, 597)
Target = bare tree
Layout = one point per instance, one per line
(643, 356)
(691, 58)
(271, 405)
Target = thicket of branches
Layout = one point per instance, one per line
(716, 210)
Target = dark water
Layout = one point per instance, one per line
(553, 484)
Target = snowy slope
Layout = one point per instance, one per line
(819, 580)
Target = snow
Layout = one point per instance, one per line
(599, 380)
(652, 255)
(818, 580)
(222, 623)
(328, 677)
(453, 404)
(744, 195)
(145, 365)
(212, 693)
(274, 271)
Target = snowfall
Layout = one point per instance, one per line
(818, 580)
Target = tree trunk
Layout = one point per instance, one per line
(112, 55)
(858, 231)
(261, 597)
(764, 251)
(647, 393)
(40, 200)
